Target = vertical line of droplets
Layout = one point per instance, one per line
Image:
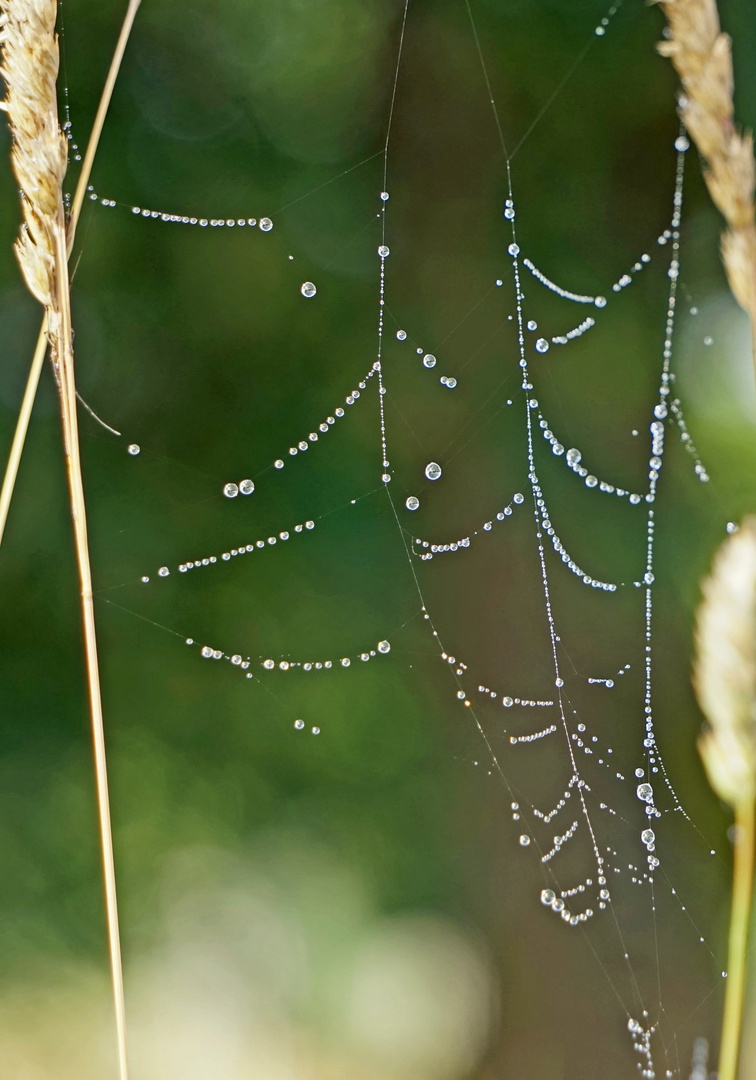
(654, 761)
(527, 386)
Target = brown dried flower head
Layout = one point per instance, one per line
(725, 667)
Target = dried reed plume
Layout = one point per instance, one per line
(725, 682)
(702, 56)
(30, 69)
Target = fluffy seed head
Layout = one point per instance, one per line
(724, 673)
(702, 56)
(30, 69)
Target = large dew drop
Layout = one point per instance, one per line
(412, 502)
(433, 470)
(308, 289)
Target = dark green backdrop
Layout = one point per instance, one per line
(352, 903)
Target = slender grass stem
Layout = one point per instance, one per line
(99, 120)
(742, 889)
(22, 426)
(32, 382)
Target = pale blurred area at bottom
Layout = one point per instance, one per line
(275, 966)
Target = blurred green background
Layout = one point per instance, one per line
(356, 902)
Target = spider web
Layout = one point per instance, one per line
(471, 460)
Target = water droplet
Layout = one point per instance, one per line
(732, 527)
(451, 382)
(345, 662)
(308, 289)
(383, 251)
(207, 652)
(645, 793)
(532, 324)
(513, 249)
(299, 724)
(573, 456)
(429, 360)
(542, 345)
(524, 840)
(507, 702)
(265, 224)
(548, 897)
(384, 647)
(163, 571)
(433, 470)
(600, 301)
(648, 836)
(231, 491)
(518, 498)
(133, 449)
(591, 481)
(246, 487)
(708, 340)
(279, 464)
(269, 664)
(412, 502)
(681, 143)
(385, 196)
(401, 335)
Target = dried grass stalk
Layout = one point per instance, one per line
(30, 69)
(725, 681)
(702, 56)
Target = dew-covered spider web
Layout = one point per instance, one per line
(458, 497)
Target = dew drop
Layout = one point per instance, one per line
(433, 470)
(401, 335)
(429, 360)
(308, 289)
(383, 251)
(384, 647)
(681, 143)
(412, 502)
(133, 449)
(514, 249)
(524, 840)
(548, 897)
(299, 724)
(542, 345)
(231, 491)
(532, 324)
(265, 224)
(246, 487)
(385, 196)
